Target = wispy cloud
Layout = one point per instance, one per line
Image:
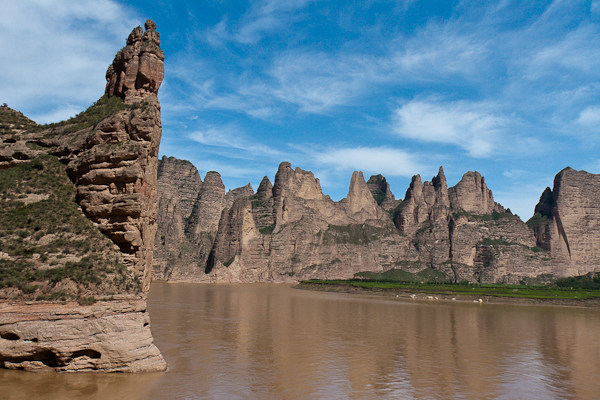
(263, 17)
(590, 117)
(51, 47)
(232, 137)
(467, 125)
(375, 160)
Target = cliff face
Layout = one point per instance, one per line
(189, 214)
(111, 152)
(290, 231)
(567, 221)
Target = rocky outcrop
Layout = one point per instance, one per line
(292, 231)
(472, 195)
(179, 185)
(115, 173)
(139, 66)
(111, 336)
(567, 221)
(380, 189)
(265, 189)
(190, 213)
(424, 202)
(359, 203)
(111, 152)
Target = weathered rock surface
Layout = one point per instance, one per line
(188, 220)
(567, 222)
(472, 195)
(291, 231)
(381, 192)
(111, 336)
(112, 154)
(139, 66)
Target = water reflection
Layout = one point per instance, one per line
(270, 341)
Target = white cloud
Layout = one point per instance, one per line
(316, 82)
(262, 18)
(55, 53)
(590, 117)
(376, 160)
(232, 137)
(514, 173)
(467, 125)
(576, 51)
(438, 51)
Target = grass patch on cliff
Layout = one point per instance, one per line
(11, 122)
(538, 220)
(103, 108)
(353, 234)
(44, 237)
(494, 216)
(398, 275)
(267, 230)
(449, 289)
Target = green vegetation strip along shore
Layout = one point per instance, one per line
(495, 290)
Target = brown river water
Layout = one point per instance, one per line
(270, 341)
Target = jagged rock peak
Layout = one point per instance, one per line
(439, 181)
(359, 196)
(139, 66)
(265, 189)
(415, 189)
(570, 227)
(301, 183)
(472, 195)
(544, 206)
(232, 195)
(213, 178)
(426, 201)
(380, 189)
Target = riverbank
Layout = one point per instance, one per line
(492, 295)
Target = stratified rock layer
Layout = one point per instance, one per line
(189, 214)
(291, 231)
(109, 336)
(112, 155)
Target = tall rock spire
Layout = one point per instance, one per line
(139, 65)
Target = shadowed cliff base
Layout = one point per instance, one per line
(78, 224)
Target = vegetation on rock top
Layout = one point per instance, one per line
(103, 108)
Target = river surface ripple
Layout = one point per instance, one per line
(270, 341)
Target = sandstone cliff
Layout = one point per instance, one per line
(188, 218)
(291, 231)
(567, 221)
(85, 233)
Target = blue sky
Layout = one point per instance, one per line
(508, 88)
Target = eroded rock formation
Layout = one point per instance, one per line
(567, 222)
(189, 214)
(111, 152)
(291, 231)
